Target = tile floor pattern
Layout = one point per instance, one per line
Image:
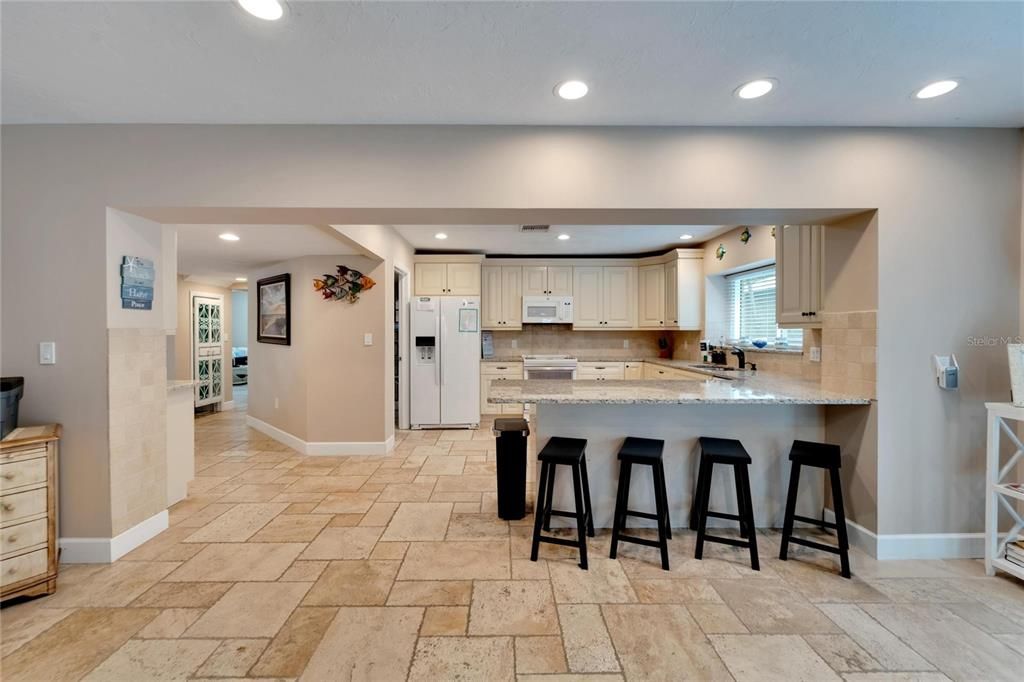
(281, 566)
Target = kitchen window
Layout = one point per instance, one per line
(752, 310)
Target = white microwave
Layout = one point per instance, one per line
(547, 309)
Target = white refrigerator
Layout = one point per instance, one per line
(444, 375)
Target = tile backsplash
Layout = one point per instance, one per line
(558, 338)
(849, 352)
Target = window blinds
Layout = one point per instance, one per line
(752, 309)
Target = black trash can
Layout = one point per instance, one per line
(11, 389)
(511, 436)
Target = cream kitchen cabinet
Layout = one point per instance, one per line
(501, 297)
(684, 293)
(605, 297)
(601, 371)
(633, 370)
(799, 271)
(496, 372)
(653, 371)
(547, 280)
(447, 279)
(651, 307)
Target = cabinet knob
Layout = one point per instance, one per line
(12, 538)
(8, 477)
(8, 506)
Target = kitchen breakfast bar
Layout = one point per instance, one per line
(765, 413)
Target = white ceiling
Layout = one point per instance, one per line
(648, 63)
(584, 239)
(204, 257)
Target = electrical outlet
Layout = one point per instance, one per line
(515, 343)
(368, 339)
(815, 354)
(47, 353)
(625, 343)
(276, 403)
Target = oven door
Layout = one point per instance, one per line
(557, 373)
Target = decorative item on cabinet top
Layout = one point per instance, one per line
(720, 252)
(745, 235)
(347, 284)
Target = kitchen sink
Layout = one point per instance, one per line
(718, 368)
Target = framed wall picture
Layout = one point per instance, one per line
(273, 310)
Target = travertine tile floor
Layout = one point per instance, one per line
(392, 568)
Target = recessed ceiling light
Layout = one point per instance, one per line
(685, 237)
(563, 237)
(241, 279)
(269, 10)
(936, 89)
(755, 89)
(228, 237)
(571, 89)
(440, 235)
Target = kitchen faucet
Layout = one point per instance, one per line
(742, 358)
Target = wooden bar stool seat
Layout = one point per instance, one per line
(646, 451)
(569, 452)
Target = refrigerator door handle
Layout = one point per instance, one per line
(441, 349)
(437, 351)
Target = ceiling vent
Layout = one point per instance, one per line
(534, 229)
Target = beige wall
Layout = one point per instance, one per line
(932, 187)
(759, 250)
(327, 384)
(183, 334)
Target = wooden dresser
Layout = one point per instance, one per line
(28, 511)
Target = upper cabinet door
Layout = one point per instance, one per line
(587, 305)
(512, 297)
(688, 287)
(619, 296)
(672, 294)
(535, 280)
(560, 280)
(491, 297)
(651, 298)
(431, 279)
(463, 279)
(798, 275)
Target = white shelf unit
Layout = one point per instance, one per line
(997, 493)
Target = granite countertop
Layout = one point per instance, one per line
(180, 385)
(688, 365)
(752, 390)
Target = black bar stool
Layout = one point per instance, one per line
(642, 451)
(571, 452)
(731, 452)
(822, 456)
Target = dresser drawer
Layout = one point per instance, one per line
(22, 473)
(15, 538)
(21, 505)
(22, 567)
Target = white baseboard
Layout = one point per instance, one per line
(321, 448)
(914, 545)
(109, 550)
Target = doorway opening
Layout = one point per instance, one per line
(401, 315)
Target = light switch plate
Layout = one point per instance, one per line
(815, 354)
(47, 353)
(368, 339)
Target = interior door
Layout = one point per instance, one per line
(619, 294)
(587, 309)
(208, 349)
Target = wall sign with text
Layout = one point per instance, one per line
(137, 277)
